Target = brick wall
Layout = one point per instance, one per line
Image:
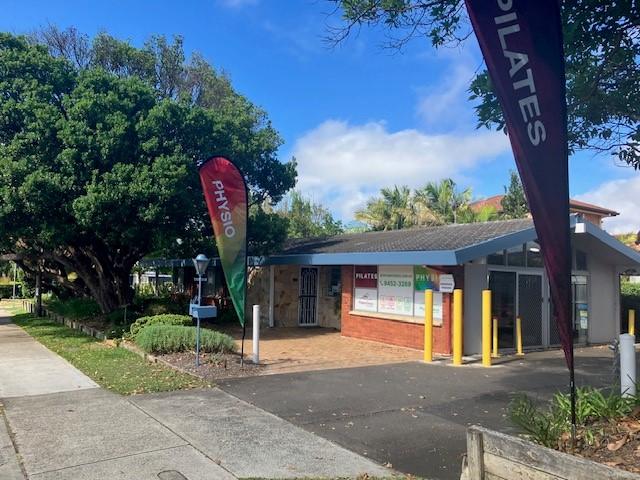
(395, 332)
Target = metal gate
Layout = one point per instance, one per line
(308, 299)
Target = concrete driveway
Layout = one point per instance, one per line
(413, 415)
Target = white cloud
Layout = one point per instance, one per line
(341, 165)
(621, 195)
(446, 105)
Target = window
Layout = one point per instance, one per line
(334, 278)
(497, 258)
(515, 256)
(534, 256)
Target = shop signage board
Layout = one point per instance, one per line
(427, 278)
(395, 290)
(447, 283)
(366, 288)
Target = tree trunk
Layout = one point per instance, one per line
(106, 276)
(38, 293)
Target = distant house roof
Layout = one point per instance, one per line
(576, 206)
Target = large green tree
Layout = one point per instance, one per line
(514, 203)
(306, 218)
(602, 49)
(98, 154)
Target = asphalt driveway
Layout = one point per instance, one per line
(413, 415)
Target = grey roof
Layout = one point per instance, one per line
(446, 237)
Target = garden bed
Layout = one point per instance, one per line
(213, 366)
(614, 443)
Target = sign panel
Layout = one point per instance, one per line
(447, 283)
(395, 290)
(365, 292)
(426, 278)
(366, 276)
(418, 307)
(365, 299)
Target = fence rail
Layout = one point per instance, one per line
(495, 456)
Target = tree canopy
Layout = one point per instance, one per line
(306, 218)
(602, 53)
(99, 143)
(436, 203)
(514, 203)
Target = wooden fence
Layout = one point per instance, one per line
(496, 456)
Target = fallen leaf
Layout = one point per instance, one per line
(614, 446)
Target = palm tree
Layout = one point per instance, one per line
(484, 214)
(394, 209)
(444, 199)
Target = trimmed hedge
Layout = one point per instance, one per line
(6, 291)
(173, 338)
(630, 297)
(74, 308)
(165, 319)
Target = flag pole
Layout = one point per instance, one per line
(572, 387)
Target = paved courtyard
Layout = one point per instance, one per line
(413, 415)
(305, 349)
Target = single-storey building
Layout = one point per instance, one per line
(371, 285)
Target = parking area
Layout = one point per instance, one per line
(412, 415)
(285, 350)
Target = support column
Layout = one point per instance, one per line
(272, 289)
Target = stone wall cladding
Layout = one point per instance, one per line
(394, 332)
(286, 282)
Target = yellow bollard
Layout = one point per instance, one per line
(495, 353)
(457, 327)
(486, 328)
(428, 325)
(632, 322)
(519, 336)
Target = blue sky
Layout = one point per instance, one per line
(356, 116)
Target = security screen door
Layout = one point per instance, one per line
(308, 299)
(530, 308)
(517, 294)
(503, 305)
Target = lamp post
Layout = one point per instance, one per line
(201, 262)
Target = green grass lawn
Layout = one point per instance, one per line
(111, 367)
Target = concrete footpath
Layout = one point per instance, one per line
(86, 433)
(29, 368)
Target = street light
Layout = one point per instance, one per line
(201, 262)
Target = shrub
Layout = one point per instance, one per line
(75, 308)
(161, 306)
(172, 338)
(6, 291)
(547, 426)
(168, 319)
(630, 297)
